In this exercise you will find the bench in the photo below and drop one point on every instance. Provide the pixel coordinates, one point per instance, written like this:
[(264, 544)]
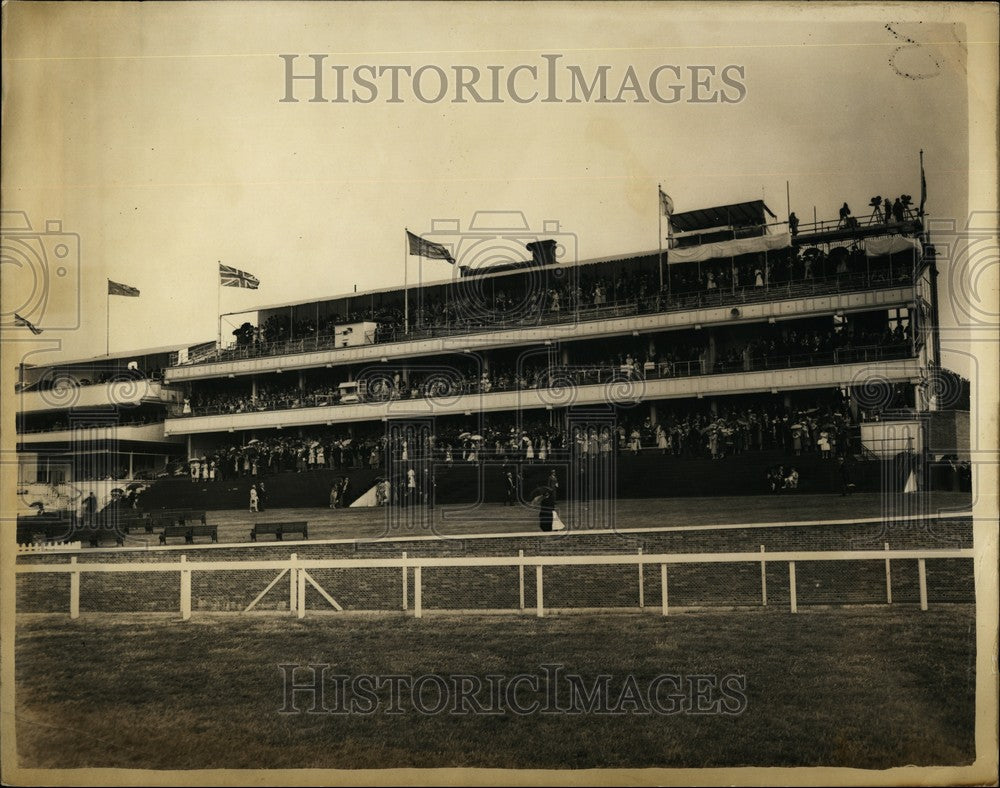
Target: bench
[(96, 535), (189, 532), (49, 529), (280, 529), (188, 516), (141, 523)]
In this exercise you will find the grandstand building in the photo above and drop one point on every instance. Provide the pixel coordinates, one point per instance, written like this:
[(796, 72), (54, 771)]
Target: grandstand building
[(94, 424), (744, 344)]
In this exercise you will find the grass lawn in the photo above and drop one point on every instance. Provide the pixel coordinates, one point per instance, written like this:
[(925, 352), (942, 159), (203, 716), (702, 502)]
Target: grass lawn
[(867, 687)]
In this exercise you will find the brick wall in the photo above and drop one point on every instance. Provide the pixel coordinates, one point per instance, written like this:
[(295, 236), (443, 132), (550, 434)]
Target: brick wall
[(497, 587)]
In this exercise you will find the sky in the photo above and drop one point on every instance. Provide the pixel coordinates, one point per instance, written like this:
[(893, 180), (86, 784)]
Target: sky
[(156, 134)]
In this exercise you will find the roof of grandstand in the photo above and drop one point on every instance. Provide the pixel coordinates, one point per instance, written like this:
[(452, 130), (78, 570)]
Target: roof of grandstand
[(736, 215), (506, 271)]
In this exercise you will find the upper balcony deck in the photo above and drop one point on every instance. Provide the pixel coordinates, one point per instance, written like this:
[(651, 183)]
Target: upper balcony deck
[(65, 393), (768, 300)]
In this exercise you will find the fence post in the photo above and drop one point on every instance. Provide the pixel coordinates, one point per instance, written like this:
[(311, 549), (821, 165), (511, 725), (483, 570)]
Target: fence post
[(663, 588), (520, 578), (539, 592), (763, 578), (406, 590), (74, 592), (922, 569), (293, 584), (300, 591), (418, 593), (888, 579), (185, 591), (642, 590), (791, 587)]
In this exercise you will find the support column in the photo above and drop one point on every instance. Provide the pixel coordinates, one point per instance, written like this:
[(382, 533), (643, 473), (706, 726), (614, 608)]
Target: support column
[(539, 592), (185, 591), (792, 592), (74, 592)]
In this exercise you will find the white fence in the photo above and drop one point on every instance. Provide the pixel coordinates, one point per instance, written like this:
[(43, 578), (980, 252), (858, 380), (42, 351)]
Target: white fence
[(298, 569)]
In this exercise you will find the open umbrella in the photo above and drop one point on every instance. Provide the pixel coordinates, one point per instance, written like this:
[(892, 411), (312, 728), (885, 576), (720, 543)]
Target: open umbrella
[(253, 441), (476, 437), (462, 435)]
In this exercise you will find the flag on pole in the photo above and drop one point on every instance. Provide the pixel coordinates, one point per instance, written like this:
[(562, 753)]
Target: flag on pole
[(666, 204), (233, 277), (424, 248), (20, 321), (923, 185), (116, 288)]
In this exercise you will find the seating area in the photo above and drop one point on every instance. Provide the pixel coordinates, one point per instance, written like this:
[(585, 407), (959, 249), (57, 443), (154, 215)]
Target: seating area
[(189, 533), (279, 530)]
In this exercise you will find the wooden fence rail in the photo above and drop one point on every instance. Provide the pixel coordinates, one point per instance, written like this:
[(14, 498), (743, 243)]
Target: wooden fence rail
[(299, 577)]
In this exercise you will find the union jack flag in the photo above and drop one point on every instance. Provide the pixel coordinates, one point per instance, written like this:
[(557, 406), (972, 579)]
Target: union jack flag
[(21, 321), (118, 289), (233, 277)]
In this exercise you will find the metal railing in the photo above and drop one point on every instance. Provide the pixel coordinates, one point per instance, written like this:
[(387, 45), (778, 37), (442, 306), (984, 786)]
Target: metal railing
[(654, 303), (583, 375)]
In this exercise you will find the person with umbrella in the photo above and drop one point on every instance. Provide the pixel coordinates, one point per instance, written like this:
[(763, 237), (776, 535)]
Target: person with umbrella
[(544, 498)]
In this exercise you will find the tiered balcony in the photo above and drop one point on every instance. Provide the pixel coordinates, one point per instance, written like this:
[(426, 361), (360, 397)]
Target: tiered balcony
[(588, 386), (847, 293), (128, 392)]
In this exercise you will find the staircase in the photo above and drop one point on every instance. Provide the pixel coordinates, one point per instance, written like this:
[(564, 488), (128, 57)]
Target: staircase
[(648, 474), (283, 491)]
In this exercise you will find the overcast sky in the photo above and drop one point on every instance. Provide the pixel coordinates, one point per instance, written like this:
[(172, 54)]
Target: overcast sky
[(156, 133)]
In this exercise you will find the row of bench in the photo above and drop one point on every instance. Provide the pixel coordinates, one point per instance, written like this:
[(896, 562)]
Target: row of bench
[(186, 525)]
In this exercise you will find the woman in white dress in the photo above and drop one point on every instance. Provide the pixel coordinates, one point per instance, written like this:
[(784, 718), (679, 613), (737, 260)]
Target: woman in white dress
[(529, 449), (661, 439), (253, 498), (543, 450)]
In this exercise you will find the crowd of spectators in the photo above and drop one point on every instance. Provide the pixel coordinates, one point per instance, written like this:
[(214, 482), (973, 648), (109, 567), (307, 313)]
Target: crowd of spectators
[(784, 348), (687, 433), (588, 289)]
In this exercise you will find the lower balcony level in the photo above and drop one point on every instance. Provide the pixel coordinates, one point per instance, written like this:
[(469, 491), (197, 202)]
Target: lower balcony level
[(563, 393)]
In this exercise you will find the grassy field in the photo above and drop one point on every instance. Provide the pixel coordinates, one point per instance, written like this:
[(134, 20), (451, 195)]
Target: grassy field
[(861, 687)]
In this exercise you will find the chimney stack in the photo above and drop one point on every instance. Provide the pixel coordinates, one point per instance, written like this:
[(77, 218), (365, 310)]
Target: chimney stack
[(543, 252)]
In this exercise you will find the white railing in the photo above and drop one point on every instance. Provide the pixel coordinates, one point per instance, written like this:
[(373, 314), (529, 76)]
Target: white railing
[(298, 571), (48, 547)]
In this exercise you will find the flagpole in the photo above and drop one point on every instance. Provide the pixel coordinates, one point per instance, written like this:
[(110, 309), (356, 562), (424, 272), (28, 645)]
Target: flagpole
[(107, 320), (659, 232), (406, 290), (218, 303)]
